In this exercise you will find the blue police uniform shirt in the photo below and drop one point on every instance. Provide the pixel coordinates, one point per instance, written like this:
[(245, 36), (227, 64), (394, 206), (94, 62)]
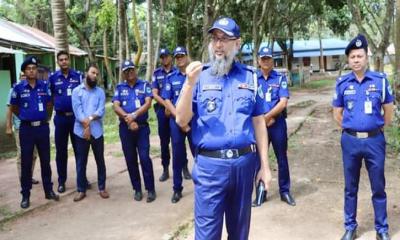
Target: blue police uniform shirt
[(32, 102), (15, 120), (273, 88), (159, 78), (132, 98), (61, 88), (86, 102), (223, 108), (362, 102), (173, 86)]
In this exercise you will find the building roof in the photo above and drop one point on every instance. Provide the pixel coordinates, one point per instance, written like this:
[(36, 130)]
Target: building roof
[(332, 46), (17, 35)]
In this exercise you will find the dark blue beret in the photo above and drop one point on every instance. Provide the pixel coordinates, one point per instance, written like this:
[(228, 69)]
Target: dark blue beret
[(359, 42), (29, 60)]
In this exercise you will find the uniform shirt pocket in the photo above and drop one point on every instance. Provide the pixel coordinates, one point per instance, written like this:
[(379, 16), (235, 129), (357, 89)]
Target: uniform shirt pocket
[(210, 103), (244, 101)]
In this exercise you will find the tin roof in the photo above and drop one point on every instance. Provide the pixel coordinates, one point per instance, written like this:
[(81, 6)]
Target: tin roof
[(14, 34)]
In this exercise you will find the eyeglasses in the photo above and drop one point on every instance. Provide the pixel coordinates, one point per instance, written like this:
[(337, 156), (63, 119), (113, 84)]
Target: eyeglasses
[(223, 39)]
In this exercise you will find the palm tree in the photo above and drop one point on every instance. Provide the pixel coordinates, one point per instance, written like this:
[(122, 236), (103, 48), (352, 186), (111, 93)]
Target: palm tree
[(59, 24)]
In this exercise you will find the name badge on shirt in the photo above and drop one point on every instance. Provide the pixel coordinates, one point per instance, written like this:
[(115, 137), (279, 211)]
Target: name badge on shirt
[(368, 107), (137, 103), (41, 108), (268, 95), (69, 91)]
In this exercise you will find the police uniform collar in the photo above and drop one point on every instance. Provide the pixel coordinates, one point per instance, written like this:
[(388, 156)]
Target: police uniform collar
[(272, 73)]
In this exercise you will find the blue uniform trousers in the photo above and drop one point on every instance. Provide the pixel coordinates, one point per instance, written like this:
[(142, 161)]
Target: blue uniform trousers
[(277, 135), (372, 150), (64, 128), (30, 137), (164, 133), (82, 151), (223, 186), (134, 143), (179, 154)]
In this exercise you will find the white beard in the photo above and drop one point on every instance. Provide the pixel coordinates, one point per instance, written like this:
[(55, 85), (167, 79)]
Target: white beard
[(221, 66)]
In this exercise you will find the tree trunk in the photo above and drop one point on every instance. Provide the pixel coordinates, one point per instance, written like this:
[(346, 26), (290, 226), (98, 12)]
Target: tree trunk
[(397, 56), (207, 20), (84, 41), (160, 31), (106, 61), (128, 55), (58, 14), (321, 48), (137, 35), (258, 27), (150, 50), (121, 38), (188, 23)]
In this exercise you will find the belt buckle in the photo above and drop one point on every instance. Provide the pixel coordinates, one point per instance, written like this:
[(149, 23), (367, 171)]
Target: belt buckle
[(362, 134), (35, 124), (69, 114), (231, 153)]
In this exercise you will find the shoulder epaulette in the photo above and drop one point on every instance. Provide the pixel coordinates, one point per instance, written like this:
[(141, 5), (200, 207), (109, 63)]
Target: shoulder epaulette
[(377, 74)]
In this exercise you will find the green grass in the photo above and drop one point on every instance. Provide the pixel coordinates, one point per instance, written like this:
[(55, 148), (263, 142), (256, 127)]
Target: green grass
[(315, 84), (111, 122), (392, 134)]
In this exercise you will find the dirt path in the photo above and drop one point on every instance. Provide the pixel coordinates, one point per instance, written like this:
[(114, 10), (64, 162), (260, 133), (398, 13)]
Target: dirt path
[(317, 184)]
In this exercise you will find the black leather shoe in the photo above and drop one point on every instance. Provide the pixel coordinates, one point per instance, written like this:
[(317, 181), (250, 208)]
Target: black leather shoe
[(176, 197), (186, 174), (138, 196), (25, 202), (164, 176), (382, 236), (34, 181), (349, 235), (52, 196), (151, 196), (287, 198), (61, 188)]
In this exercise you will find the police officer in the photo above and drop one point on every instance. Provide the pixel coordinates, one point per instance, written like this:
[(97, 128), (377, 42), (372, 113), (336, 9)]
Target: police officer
[(31, 102), (12, 125), (225, 112), (359, 98), (160, 75), (62, 83), (88, 104), (131, 101), (274, 89), (171, 93)]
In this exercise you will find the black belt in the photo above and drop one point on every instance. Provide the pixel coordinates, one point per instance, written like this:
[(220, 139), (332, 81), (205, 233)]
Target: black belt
[(34, 123), (363, 134), (227, 153), (67, 114), (140, 124)]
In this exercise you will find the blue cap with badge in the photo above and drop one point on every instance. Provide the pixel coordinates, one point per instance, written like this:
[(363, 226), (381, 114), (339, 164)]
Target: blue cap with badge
[(29, 60), (265, 52), (164, 52), (180, 51), (359, 42), (226, 25), (127, 65)]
